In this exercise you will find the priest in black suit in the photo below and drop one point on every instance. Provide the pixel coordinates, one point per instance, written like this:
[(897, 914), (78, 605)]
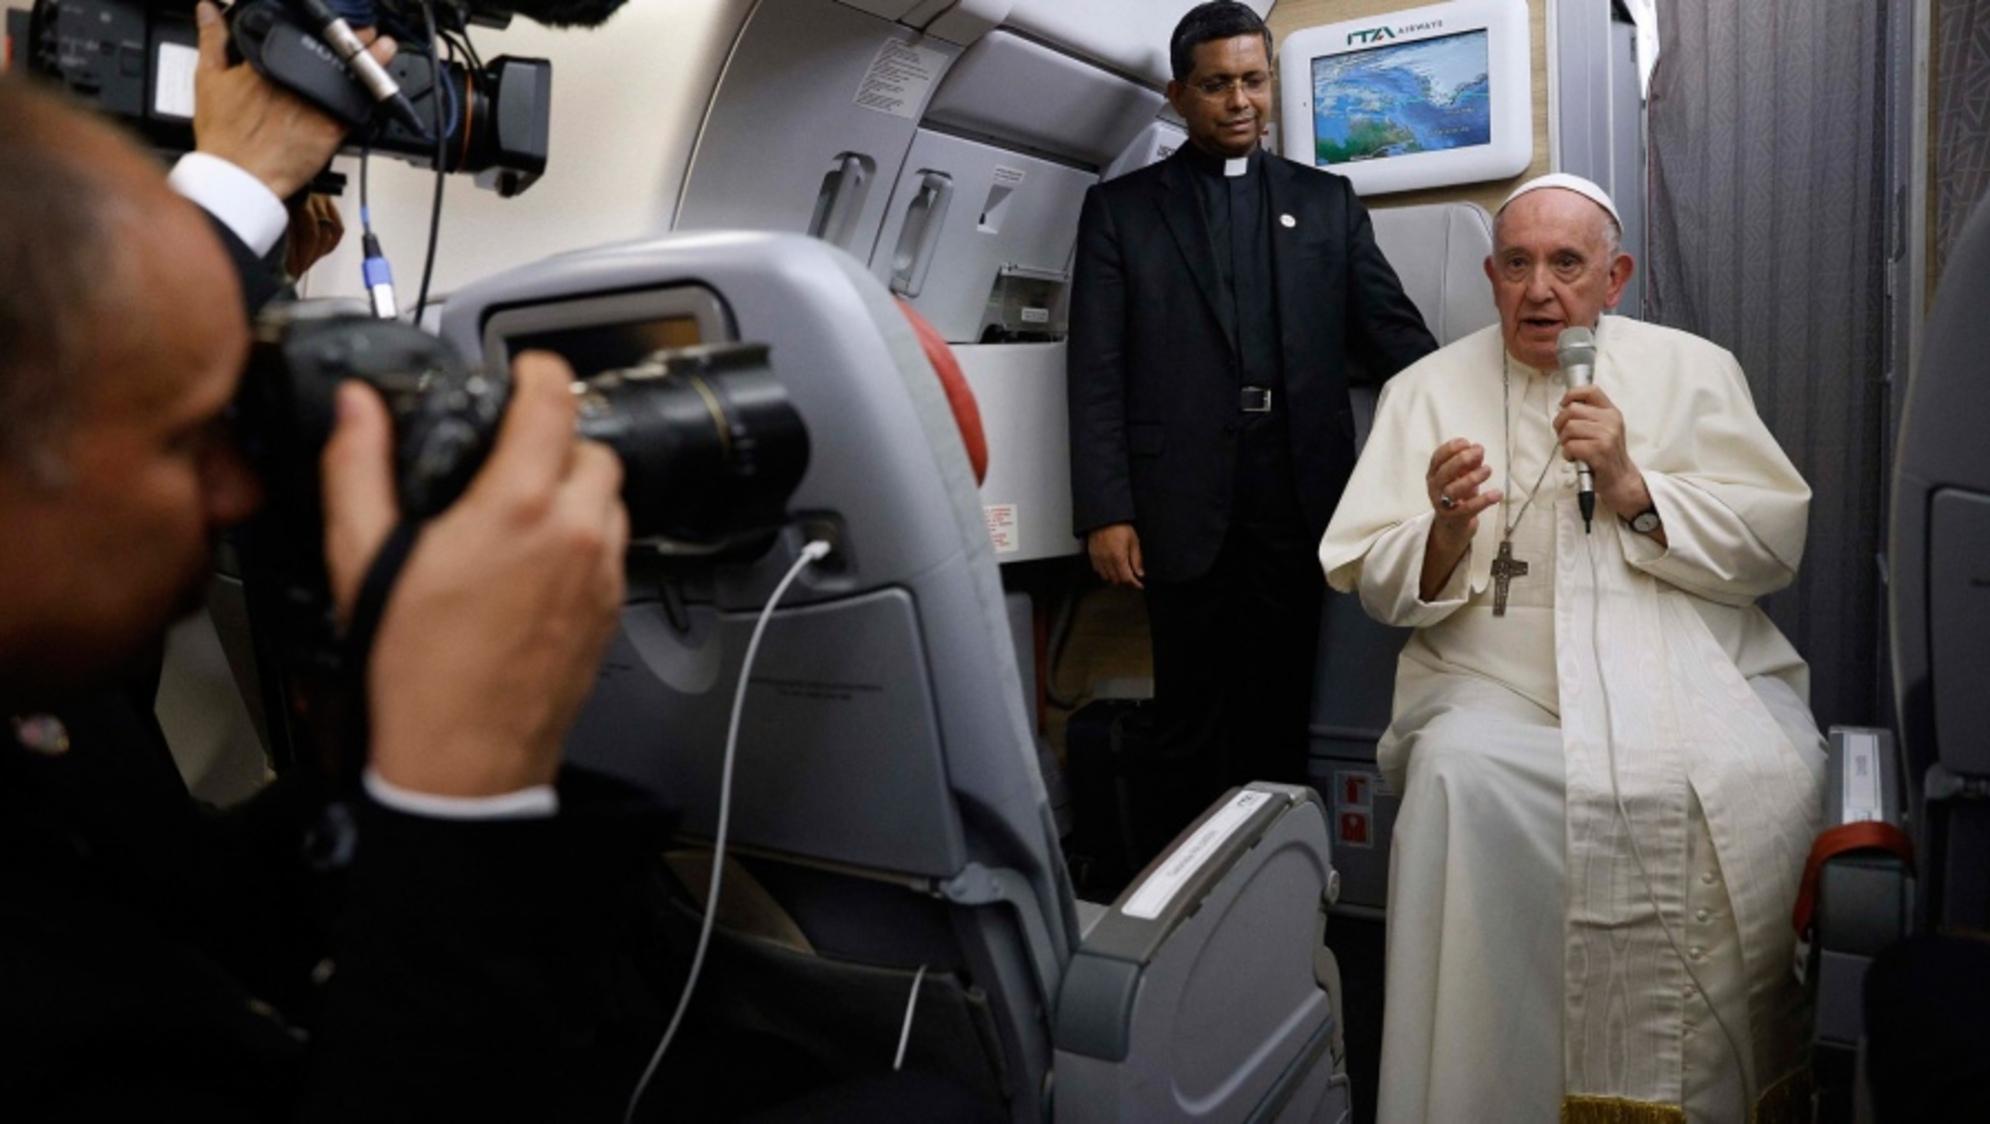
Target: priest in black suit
[(1223, 302)]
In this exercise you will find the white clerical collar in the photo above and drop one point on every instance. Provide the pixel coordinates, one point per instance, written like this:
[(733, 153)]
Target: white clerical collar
[(1236, 166)]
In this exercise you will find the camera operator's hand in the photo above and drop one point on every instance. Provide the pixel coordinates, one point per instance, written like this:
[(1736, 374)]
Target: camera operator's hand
[(245, 119), (315, 230), (492, 634)]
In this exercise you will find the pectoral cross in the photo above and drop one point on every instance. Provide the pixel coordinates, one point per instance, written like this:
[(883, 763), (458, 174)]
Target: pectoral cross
[(1505, 568)]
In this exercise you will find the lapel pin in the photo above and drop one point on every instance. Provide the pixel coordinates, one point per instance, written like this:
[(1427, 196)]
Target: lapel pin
[(42, 733), (1287, 221)]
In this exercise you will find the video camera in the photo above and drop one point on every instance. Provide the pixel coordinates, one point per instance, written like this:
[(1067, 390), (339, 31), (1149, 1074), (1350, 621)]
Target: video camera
[(135, 60)]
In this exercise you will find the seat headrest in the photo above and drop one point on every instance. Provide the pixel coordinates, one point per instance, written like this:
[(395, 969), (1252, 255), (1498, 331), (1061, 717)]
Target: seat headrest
[(1438, 251), (960, 396)]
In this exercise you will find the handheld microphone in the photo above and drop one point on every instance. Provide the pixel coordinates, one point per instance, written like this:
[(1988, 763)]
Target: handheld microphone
[(1575, 350)]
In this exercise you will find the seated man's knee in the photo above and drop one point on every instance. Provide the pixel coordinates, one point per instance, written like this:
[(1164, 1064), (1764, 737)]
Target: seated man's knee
[(1450, 751)]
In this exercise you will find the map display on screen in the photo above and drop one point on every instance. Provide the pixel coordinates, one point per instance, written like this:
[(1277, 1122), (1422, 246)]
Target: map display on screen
[(1425, 96)]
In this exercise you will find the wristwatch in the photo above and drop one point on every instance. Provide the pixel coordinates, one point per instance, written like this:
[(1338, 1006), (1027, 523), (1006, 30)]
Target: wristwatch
[(1646, 521)]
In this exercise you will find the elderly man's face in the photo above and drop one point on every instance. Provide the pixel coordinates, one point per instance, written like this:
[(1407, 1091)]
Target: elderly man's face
[(1552, 268), (115, 545), (1226, 98)]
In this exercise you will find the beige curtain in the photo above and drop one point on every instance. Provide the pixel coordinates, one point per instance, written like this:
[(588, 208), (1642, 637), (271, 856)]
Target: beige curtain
[(1767, 237)]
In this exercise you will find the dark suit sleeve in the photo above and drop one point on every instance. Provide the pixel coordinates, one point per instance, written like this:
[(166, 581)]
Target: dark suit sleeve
[(471, 960), (260, 280), (1095, 373), (1386, 330)]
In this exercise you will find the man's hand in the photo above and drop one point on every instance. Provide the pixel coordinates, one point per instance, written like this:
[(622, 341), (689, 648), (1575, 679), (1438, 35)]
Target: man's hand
[(493, 632), (1591, 430), (315, 230), (243, 118), (1452, 481), (1115, 551)]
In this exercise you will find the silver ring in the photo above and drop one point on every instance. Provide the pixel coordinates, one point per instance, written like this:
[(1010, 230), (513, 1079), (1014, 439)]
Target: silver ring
[(1445, 501)]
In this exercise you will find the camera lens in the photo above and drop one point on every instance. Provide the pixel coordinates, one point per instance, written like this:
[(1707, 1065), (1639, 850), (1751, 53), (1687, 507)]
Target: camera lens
[(710, 446)]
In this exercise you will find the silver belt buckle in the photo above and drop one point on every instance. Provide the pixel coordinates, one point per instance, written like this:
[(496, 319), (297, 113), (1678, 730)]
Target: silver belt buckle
[(1256, 400)]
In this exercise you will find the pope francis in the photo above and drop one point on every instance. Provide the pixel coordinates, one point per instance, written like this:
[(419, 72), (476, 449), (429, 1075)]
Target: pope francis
[(1609, 772)]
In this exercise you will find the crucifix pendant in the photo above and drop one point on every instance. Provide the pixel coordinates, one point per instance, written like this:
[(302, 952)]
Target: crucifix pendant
[(1505, 568)]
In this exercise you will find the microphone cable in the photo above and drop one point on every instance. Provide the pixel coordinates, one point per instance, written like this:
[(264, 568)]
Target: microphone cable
[(441, 172), (1630, 831)]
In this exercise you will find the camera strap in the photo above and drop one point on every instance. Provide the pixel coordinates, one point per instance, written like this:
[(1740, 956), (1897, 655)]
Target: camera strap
[(331, 842), (368, 607)]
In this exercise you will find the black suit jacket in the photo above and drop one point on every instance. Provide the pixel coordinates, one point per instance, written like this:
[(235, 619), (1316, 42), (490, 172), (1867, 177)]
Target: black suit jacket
[(1153, 369), (163, 961), (261, 278)]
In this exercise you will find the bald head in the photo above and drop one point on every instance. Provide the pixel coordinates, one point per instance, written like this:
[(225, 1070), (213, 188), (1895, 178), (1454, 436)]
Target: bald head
[(122, 339), (99, 250)]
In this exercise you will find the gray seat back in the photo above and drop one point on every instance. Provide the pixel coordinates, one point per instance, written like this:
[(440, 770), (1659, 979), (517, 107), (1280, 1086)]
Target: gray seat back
[(884, 738), (1438, 251), (1940, 598)]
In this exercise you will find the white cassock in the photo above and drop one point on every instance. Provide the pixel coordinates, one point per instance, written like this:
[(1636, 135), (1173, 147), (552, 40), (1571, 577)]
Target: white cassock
[(1529, 973)]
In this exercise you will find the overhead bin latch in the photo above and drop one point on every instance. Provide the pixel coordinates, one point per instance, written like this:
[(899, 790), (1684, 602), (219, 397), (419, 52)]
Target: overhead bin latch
[(919, 238), (840, 202)]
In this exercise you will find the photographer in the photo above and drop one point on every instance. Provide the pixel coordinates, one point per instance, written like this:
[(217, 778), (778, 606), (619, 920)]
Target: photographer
[(444, 961)]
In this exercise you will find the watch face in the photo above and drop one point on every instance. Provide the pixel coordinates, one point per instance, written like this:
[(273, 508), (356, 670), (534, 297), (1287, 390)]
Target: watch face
[(1645, 523)]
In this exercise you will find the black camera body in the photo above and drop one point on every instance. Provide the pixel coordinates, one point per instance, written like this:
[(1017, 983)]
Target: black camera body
[(133, 59), (710, 445)]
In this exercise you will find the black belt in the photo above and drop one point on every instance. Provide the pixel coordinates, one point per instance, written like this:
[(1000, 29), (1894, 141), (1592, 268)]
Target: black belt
[(1255, 400)]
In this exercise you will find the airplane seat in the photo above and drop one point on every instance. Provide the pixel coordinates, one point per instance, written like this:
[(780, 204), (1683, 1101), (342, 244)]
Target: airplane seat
[(960, 396), (1438, 252), (1924, 866), (891, 845)]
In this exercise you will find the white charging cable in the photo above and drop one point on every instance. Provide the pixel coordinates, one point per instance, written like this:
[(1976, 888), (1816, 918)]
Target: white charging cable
[(812, 553), (905, 1032), (1630, 831)]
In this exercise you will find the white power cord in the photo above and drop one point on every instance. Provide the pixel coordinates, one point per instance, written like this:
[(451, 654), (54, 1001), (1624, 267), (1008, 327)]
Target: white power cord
[(1630, 831), (812, 553), (905, 1032)]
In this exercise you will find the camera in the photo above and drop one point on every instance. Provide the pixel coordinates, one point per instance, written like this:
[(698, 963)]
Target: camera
[(710, 445), (134, 59)]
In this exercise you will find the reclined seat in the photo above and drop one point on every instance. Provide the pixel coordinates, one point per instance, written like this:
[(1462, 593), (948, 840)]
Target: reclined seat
[(1906, 849), (891, 847)]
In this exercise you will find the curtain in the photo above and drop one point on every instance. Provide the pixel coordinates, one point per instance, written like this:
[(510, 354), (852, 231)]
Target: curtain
[(1766, 164), (1961, 127)]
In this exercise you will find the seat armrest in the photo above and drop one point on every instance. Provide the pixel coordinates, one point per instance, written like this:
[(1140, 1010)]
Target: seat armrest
[(1861, 900), (1863, 777), (1199, 994)]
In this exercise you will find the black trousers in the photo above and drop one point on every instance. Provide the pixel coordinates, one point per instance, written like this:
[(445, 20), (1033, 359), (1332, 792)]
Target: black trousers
[(1234, 648)]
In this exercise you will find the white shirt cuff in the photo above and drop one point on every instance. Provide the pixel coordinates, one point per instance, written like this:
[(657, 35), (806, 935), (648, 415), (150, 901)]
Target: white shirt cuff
[(242, 203), (536, 802)]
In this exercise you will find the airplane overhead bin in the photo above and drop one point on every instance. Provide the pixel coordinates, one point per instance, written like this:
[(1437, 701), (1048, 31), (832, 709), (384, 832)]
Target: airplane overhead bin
[(950, 147), (811, 122)]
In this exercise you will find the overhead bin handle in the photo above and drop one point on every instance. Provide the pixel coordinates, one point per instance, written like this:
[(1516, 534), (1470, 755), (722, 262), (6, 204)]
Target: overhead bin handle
[(919, 238), (841, 198)]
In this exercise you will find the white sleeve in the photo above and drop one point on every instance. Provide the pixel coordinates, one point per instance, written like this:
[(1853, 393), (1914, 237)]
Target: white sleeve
[(536, 802), (238, 200), (1710, 550), (1392, 578)]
